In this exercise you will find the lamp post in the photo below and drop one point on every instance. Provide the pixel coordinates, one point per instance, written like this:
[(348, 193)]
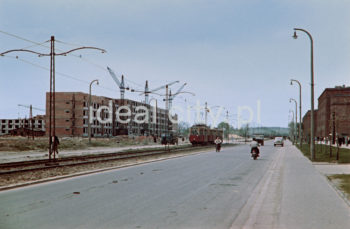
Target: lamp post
[(291, 111), (312, 131), (296, 116), (291, 83), (89, 121)]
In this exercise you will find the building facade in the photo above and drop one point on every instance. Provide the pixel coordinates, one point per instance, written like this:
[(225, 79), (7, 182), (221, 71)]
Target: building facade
[(22, 126), (119, 117), (306, 133), (333, 115)]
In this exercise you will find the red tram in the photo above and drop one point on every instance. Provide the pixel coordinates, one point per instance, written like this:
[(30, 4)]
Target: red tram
[(201, 134)]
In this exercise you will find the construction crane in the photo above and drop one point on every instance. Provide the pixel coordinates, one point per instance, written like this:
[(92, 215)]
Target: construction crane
[(120, 84), (31, 115), (147, 91), (172, 96)]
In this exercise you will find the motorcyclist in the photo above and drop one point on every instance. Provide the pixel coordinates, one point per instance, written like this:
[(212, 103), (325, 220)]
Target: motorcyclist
[(218, 144), (254, 145)]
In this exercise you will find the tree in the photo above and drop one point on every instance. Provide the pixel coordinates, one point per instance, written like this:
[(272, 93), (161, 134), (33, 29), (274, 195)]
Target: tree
[(224, 126), (184, 128)]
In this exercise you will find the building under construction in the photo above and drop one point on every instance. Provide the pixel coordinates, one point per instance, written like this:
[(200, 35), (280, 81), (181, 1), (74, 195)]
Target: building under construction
[(23, 127), (72, 115)]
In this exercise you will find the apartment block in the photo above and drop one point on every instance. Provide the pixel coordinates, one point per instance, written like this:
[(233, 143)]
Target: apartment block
[(72, 115), (22, 126)]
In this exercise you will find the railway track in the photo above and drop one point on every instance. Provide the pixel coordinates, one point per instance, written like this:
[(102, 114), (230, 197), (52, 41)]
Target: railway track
[(44, 164)]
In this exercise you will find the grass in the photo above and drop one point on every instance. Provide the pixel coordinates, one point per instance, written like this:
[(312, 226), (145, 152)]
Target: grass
[(19, 144), (342, 181), (323, 154)]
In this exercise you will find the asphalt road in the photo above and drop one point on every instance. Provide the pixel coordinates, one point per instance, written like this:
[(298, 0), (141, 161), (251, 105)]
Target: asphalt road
[(208, 190)]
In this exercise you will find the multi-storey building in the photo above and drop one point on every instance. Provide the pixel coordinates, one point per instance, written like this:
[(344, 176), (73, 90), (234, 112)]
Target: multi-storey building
[(72, 115), (22, 126), (307, 124), (333, 115)]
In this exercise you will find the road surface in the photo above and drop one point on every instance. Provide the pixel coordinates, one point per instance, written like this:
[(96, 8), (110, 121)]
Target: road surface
[(209, 190)]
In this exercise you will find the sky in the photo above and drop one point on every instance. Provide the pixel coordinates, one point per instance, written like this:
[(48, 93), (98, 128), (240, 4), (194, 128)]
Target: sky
[(235, 54)]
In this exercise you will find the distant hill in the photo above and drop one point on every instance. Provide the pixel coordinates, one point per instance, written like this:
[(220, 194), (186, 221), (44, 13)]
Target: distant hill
[(269, 131)]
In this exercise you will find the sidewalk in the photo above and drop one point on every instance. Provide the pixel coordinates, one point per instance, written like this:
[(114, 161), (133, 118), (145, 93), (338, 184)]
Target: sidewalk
[(309, 201), (293, 194)]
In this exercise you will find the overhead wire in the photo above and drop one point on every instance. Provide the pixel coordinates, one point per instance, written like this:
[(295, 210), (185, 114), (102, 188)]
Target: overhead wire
[(71, 54), (58, 73)]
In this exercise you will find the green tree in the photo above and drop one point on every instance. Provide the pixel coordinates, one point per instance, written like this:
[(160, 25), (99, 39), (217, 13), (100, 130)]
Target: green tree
[(184, 128)]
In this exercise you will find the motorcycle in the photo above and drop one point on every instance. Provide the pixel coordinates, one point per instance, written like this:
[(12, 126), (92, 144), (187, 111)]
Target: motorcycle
[(255, 153), (218, 147)]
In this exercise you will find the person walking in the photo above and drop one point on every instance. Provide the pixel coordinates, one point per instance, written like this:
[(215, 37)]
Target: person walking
[(56, 142)]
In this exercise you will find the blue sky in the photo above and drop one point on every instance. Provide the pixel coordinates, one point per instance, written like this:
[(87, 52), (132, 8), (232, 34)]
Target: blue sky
[(230, 53)]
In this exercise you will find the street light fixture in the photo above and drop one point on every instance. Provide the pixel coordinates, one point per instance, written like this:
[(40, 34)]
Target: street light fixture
[(89, 121), (300, 136), (312, 131)]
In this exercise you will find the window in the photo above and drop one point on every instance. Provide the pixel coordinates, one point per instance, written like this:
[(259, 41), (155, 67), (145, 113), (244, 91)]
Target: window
[(67, 102), (67, 129), (67, 120), (67, 111)]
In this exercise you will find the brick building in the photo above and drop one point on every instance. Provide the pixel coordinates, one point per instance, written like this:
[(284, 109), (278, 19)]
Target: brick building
[(72, 116), (307, 124), (333, 103), (10, 126)]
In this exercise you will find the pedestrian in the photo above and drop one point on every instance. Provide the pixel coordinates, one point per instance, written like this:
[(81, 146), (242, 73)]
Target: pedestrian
[(56, 142)]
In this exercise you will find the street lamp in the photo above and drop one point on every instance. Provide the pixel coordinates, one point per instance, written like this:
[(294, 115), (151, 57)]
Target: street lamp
[(312, 147), (89, 121), (296, 115), (291, 83), (291, 111)]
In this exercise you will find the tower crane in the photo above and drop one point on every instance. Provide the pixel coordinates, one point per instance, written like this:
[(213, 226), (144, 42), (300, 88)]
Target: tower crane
[(147, 91), (172, 96), (120, 84)]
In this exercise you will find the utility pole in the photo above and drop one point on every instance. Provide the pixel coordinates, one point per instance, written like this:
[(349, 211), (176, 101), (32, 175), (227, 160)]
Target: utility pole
[(52, 106), (228, 128)]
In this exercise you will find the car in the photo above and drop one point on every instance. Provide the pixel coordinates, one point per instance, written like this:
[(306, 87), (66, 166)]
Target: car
[(278, 141)]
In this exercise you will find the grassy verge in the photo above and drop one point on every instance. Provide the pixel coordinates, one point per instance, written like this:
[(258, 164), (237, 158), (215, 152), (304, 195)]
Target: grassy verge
[(19, 144), (342, 181), (322, 153)]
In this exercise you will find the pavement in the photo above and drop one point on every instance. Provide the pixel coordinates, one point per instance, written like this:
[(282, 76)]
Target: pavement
[(329, 169), (282, 189)]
